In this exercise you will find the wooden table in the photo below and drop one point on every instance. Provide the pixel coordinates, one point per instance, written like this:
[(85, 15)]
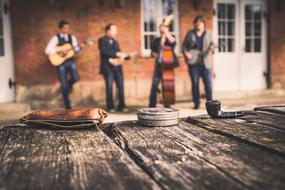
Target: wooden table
[(199, 153)]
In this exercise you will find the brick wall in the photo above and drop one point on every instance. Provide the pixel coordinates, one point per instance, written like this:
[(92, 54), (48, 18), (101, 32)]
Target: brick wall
[(35, 21), (277, 43)]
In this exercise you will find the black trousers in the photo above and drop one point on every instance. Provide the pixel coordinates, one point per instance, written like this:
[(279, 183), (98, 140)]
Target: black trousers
[(109, 77), (68, 67), (195, 73), (157, 77)]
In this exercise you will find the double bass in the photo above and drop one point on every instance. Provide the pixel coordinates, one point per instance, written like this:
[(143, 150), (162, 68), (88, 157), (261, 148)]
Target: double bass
[(168, 90)]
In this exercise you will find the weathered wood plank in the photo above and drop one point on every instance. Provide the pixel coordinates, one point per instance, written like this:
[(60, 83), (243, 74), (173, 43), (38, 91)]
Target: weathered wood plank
[(26, 154), (3, 139), (259, 135), (268, 119), (273, 109), (171, 163), (189, 157), (255, 168), (57, 159), (101, 164)]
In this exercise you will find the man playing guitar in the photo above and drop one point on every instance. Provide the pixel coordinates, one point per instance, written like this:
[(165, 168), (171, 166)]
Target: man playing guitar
[(198, 49), (109, 51), (68, 66)]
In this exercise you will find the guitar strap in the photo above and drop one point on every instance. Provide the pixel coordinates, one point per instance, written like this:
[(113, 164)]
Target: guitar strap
[(69, 39), (62, 41)]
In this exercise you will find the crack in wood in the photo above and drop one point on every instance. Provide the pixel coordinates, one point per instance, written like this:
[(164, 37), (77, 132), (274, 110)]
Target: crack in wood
[(263, 123), (216, 166), (272, 120), (209, 128), (119, 139), (273, 109), (114, 134), (211, 163)]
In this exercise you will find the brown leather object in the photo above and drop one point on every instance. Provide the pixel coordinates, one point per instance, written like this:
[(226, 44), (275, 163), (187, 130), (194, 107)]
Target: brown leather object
[(73, 118)]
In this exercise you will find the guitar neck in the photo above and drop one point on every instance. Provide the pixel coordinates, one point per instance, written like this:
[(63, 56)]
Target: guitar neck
[(87, 42), (78, 46), (208, 49)]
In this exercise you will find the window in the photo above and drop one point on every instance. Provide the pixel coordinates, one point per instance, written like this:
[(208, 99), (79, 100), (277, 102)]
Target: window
[(253, 28), (153, 12), (226, 27)]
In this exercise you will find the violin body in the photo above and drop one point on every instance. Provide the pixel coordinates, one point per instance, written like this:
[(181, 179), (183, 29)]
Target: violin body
[(168, 90)]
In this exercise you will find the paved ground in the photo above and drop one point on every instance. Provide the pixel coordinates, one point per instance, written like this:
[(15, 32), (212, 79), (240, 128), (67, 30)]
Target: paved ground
[(11, 112)]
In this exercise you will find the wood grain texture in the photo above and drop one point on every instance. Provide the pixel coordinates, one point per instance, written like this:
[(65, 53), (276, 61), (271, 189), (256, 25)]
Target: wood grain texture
[(244, 163), (267, 118), (272, 109), (169, 162), (53, 159), (188, 156), (199, 153), (260, 135)]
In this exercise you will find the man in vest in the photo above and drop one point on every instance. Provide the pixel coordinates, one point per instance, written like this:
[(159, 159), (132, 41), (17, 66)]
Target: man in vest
[(69, 66)]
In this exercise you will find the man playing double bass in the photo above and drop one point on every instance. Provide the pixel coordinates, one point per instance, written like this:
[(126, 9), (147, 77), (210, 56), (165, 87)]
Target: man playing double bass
[(165, 40)]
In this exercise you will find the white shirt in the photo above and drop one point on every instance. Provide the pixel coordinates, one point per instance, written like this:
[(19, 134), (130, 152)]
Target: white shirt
[(51, 47)]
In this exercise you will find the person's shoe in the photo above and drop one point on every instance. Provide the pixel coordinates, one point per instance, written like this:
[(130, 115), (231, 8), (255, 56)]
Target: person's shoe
[(111, 111), (68, 107), (167, 105), (125, 110), (196, 106)]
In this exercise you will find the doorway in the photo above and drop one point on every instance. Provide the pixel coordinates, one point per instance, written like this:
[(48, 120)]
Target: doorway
[(7, 78), (240, 30)]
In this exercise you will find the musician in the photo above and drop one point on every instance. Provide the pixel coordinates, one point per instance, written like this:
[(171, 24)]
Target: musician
[(201, 39), (165, 39), (109, 48), (69, 66)]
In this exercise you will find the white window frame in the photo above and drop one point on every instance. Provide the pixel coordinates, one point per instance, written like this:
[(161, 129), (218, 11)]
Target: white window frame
[(160, 17)]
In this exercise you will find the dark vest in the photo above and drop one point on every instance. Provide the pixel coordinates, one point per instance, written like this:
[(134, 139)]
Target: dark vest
[(62, 41)]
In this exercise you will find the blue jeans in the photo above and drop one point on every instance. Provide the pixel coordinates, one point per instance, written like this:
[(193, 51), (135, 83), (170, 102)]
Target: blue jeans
[(67, 68), (157, 77), (110, 76), (195, 72)]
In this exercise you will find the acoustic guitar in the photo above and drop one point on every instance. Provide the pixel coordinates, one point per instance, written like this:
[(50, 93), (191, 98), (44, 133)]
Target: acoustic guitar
[(121, 60), (59, 58)]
